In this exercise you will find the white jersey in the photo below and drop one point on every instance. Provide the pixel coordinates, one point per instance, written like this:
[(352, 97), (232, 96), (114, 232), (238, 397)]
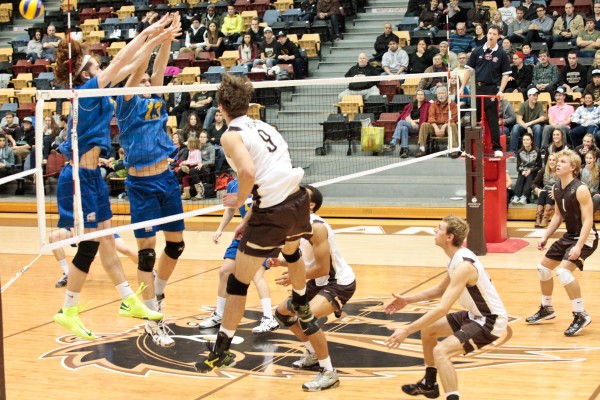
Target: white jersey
[(339, 270), (276, 179), (481, 300)]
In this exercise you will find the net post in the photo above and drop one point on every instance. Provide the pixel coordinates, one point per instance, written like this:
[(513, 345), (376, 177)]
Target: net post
[(39, 176), (2, 375), (475, 190)]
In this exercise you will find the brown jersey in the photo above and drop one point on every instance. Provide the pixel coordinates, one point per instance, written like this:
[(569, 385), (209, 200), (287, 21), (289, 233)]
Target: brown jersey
[(568, 206)]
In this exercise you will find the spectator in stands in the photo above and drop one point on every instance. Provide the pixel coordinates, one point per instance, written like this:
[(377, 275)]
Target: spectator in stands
[(437, 123), (106, 163), (148, 19), (50, 43), (25, 142), (201, 102), (382, 42), (34, 47), (178, 103), (540, 29), (559, 143), (559, 117), (530, 58), (507, 47), (542, 187), (456, 15), (214, 39), (180, 155), (329, 10), (587, 145), (211, 16), (545, 75), (449, 58), (460, 41), (7, 157), (430, 19), (497, 20), (509, 118), (191, 128), (460, 68), (594, 86), (596, 15), (590, 175), (248, 52), (587, 118), (63, 132), (530, 118), (518, 28), (573, 76), (232, 27), (414, 8), (530, 10), (257, 31), (421, 59), (479, 38), (194, 37), (478, 16), (395, 61), (308, 9), (361, 69), (51, 130), (430, 85), (508, 12), (589, 39), (463, 102), (568, 26), (267, 49), (216, 130), (529, 162), (286, 52), (11, 129), (595, 65), (413, 114)]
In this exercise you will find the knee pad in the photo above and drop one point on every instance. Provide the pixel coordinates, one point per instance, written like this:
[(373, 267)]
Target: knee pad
[(236, 287), (86, 252), (564, 276), (292, 258), (174, 249), (146, 260), (285, 320), (544, 273)]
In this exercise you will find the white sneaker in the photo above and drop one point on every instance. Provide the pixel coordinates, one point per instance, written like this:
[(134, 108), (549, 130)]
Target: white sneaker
[(307, 361), (210, 322), (323, 380), (498, 153), (523, 200), (266, 325), (160, 333), (514, 200)]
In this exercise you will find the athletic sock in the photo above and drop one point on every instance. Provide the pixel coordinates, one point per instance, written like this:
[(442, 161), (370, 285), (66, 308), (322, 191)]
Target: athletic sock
[(299, 296), (64, 265), (309, 347), (71, 299), (326, 364), (159, 285), (546, 301), (266, 306), (124, 290), (151, 304), (220, 305), (578, 305)]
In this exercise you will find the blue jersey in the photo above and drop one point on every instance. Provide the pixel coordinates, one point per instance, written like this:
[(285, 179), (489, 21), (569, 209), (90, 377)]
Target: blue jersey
[(232, 187), (142, 126), (93, 124)]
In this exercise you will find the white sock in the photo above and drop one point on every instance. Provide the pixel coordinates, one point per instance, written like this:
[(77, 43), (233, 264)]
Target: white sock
[(301, 292), (220, 305), (152, 304), (124, 290), (546, 300), (422, 148), (228, 332), (159, 285), (578, 305), (326, 364), (64, 265), (309, 347), (266, 306), (71, 299), (448, 394)]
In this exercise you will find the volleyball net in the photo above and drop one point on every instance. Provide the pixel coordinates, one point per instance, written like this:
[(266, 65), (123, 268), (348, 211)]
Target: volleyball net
[(334, 135)]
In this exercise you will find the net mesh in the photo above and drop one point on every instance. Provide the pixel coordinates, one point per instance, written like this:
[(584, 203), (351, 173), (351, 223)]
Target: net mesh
[(334, 135)]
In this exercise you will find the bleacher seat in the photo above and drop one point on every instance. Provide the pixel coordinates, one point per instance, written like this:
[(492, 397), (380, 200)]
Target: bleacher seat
[(408, 23), (22, 67), (44, 81), (238, 70), (8, 107), (271, 16), (40, 65), (388, 122), (25, 110), (291, 15), (214, 73), (376, 105), (398, 102)]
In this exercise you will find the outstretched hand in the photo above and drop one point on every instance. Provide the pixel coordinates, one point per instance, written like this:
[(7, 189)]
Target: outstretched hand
[(397, 338), (397, 304)]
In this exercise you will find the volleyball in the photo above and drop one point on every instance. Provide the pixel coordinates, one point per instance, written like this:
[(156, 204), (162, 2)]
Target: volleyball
[(31, 9)]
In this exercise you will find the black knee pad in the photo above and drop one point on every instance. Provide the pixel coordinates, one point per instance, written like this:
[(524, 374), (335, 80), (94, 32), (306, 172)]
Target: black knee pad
[(174, 249), (292, 258), (310, 327), (285, 320), (146, 260), (86, 251), (236, 287)]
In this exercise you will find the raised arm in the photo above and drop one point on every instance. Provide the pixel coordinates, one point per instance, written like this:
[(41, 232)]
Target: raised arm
[(162, 58)]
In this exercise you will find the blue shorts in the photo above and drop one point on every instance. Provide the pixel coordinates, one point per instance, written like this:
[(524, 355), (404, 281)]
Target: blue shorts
[(231, 252), (152, 197), (94, 197)]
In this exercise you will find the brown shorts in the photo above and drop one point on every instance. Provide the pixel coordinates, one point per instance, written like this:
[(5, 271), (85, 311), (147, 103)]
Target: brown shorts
[(269, 228), (337, 295), (560, 251), (472, 335)]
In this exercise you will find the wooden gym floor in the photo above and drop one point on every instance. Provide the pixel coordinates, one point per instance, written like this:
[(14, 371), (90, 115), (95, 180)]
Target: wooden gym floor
[(45, 361)]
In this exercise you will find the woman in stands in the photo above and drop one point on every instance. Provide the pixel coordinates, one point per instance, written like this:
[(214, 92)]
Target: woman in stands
[(93, 131), (542, 187), (412, 116), (479, 38), (590, 175), (248, 51), (34, 47), (214, 39), (421, 59), (529, 162), (192, 127)]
